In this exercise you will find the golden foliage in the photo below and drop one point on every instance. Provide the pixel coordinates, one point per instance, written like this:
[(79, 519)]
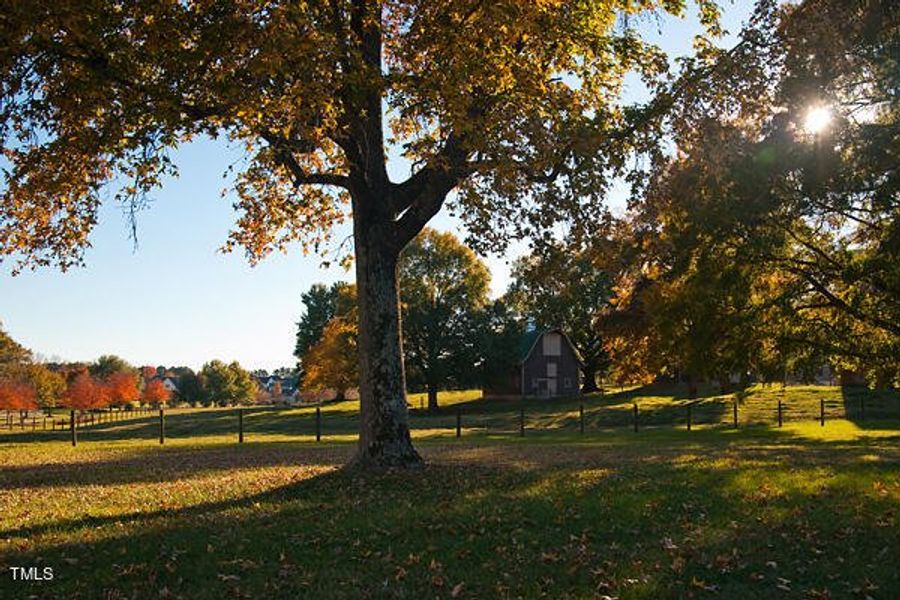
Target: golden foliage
[(332, 362)]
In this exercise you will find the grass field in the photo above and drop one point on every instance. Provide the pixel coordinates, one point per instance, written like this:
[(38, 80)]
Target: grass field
[(802, 511)]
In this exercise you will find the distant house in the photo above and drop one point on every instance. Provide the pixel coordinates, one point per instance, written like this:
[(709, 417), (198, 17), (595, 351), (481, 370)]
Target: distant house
[(278, 386), (168, 382), (548, 366)]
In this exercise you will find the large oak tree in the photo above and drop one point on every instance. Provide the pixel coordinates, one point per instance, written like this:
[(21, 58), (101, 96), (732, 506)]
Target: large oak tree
[(512, 103)]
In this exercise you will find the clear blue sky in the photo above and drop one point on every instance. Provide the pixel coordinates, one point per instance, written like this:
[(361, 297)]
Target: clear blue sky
[(176, 300)]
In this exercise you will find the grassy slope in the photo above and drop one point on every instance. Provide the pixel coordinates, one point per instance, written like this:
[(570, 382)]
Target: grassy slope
[(802, 511)]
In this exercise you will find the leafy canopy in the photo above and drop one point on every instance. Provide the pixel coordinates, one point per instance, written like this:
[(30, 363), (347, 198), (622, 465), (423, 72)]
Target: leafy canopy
[(331, 364), (762, 245), (227, 383), (12, 353), (444, 286), (320, 304), (516, 102)]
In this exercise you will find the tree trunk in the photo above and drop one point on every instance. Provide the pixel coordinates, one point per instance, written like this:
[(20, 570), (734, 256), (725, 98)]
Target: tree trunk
[(692, 387), (432, 397), (725, 383), (384, 439), (590, 380)]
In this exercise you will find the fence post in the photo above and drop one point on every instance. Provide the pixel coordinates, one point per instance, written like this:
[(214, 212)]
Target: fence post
[(33, 423), (822, 412), (318, 424), (581, 418), (240, 426), (522, 420), (72, 427), (735, 413), (780, 421), (635, 417), (458, 423), (689, 406), (162, 426)]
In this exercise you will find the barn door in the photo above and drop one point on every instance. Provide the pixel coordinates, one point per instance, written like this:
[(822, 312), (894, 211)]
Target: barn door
[(551, 379)]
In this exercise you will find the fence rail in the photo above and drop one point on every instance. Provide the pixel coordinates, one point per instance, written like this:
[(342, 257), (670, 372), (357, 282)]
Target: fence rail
[(514, 418)]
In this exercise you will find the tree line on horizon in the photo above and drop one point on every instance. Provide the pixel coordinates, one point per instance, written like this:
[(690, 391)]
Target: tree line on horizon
[(110, 381)]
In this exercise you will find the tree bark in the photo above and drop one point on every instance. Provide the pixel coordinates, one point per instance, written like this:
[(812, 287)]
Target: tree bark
[(692, 387), (590, 380), (432, 397), (384, 438)]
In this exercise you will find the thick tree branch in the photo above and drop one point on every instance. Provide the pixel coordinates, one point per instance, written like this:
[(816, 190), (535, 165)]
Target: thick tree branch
[(285, 158), (840, 304), (421, 196)]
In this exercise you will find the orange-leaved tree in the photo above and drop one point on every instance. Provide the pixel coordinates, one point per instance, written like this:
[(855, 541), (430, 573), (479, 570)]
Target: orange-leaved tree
[(85, 392), (122, 388), (330, 364), (155, 392), (17, 395), (513, 104)]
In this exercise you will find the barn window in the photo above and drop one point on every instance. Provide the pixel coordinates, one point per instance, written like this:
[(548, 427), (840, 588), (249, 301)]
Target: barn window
[(552, 344), (551, 369)]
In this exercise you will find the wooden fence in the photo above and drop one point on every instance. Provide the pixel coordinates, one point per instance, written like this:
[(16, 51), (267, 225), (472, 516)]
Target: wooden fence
[(531, 416)]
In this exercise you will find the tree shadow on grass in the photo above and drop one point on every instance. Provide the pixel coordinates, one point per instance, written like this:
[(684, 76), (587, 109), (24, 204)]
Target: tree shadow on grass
[(203, 423), (866, 407), (502, 522), (132, 465)]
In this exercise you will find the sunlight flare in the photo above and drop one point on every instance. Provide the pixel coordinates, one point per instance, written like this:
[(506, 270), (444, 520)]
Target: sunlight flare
[(817, 119)]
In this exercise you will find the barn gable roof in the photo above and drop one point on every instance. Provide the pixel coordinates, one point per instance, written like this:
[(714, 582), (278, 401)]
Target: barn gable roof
[(530, 340)]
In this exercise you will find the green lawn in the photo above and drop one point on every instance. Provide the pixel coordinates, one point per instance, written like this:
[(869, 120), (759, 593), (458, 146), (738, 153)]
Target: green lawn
[(802, 511)]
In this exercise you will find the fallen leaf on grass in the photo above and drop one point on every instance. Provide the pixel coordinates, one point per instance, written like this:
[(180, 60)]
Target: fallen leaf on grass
[(702, 585)]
